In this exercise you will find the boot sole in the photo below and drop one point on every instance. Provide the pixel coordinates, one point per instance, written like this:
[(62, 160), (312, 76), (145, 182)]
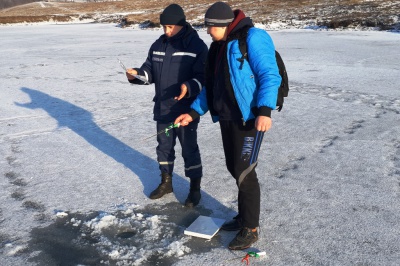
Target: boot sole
[(241, 248), (152, 197)]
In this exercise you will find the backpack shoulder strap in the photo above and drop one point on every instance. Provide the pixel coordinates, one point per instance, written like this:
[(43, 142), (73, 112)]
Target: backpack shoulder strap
[(242, 40), (243, 45)]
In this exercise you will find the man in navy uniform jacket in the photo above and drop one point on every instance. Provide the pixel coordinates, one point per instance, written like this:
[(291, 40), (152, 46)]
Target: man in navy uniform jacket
[(175, 64)]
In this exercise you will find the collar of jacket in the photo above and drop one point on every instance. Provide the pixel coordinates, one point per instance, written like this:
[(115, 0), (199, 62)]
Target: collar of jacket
[(183, 35)]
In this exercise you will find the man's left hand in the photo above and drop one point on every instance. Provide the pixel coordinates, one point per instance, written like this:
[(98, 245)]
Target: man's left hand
[(263, 123)]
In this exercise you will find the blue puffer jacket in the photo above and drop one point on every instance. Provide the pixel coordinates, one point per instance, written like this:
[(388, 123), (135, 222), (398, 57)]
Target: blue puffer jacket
[(170, 63), (255, 83)]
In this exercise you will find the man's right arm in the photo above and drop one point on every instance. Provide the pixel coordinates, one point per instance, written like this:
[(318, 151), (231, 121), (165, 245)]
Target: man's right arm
[(183, 120), (145, 71), (199, 108)]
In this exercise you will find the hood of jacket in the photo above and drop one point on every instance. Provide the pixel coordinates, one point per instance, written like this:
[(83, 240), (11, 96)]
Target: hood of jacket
[(238, 24)]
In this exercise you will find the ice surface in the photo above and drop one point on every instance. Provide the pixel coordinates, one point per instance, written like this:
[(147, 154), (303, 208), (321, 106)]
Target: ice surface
[(77, 175)]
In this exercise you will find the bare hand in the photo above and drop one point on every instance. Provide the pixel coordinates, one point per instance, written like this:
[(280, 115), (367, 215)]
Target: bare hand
[(130, 72), (184, 120), (263, 123), (183, 92)]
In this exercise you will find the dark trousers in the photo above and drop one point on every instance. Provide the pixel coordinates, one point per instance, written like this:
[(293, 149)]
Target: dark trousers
[(187, 137), (241, 146)]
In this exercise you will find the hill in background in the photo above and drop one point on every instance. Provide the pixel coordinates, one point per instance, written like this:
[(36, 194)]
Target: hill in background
[(379, 15)]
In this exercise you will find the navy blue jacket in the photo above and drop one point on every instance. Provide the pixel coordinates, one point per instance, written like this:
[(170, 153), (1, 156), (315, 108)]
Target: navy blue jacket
[(170, 63)]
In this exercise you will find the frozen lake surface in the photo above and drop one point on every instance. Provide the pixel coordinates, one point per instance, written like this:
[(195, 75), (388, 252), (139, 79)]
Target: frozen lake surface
[(76, 173)]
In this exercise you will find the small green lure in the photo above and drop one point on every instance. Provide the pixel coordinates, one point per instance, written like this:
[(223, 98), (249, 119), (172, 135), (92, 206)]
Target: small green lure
[(165, 130)]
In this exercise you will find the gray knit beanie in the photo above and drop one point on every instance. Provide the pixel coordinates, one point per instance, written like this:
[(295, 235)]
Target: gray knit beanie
[(219, 14)]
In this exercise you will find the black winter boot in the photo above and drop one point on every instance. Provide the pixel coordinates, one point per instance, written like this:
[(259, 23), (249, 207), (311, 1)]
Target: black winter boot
[(244, 239), (194, 194), (164, 187)]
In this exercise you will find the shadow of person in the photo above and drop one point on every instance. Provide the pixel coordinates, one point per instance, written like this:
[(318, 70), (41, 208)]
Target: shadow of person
[(81, 122)]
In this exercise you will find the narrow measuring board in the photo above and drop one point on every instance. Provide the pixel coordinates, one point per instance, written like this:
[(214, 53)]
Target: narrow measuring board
[(204, 227)]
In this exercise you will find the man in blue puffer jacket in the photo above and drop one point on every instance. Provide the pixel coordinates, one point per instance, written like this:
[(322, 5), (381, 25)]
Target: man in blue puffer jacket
[(240, 94), (175, 64)]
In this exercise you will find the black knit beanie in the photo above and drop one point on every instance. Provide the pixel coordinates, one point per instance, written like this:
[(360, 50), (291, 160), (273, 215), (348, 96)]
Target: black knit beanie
[(219, 14), (173, 15)]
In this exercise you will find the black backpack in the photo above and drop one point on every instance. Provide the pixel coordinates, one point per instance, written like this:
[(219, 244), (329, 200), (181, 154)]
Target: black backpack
[(283, 90)]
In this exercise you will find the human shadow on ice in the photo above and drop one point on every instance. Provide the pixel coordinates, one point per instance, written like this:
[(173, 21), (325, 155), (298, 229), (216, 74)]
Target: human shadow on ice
[(81, 122)]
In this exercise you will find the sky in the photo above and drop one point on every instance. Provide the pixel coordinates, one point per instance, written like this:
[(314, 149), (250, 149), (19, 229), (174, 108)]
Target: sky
[(76, 172)]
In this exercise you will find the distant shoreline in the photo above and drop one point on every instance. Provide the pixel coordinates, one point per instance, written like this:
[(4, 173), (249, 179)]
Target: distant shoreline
[(269, 27)]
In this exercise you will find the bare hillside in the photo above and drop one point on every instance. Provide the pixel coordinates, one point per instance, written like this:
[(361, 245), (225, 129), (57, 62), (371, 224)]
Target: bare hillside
[(380, 14)]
